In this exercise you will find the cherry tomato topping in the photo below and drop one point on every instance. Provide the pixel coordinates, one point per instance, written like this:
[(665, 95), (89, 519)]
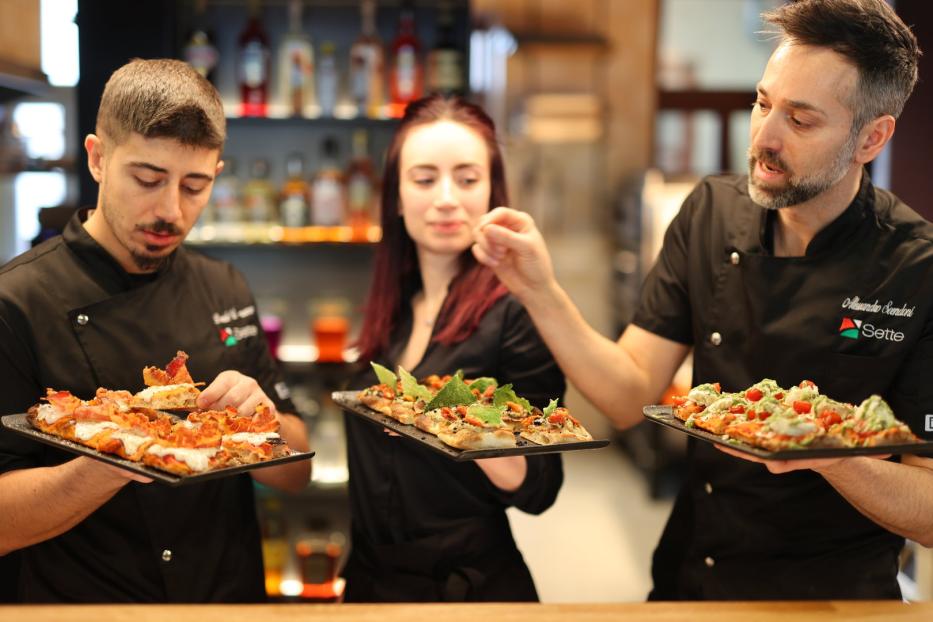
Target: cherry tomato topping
[(802, 407), (753, 395)]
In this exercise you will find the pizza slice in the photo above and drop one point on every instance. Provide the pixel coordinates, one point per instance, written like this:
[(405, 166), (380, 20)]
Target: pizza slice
[(380, 397), (130, 441), (873, 424), (718, 415), (440, 419), (251, 439), (515, 409), (555, 425), (169, 389), (480, 428), (187, 450), (696, 400), (56, 415), (93, 422)]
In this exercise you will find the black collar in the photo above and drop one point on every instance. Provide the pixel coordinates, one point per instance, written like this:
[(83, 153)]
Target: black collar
[(836, 233), (101, 264)]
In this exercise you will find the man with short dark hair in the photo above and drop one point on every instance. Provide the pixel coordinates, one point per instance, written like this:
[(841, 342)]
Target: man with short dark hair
[(756, 274), (114, 293)]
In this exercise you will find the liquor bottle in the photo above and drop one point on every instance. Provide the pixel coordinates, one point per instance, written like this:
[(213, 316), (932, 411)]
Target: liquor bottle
[(201, 54), (328, 80), (406, 80), (295, 203), (328, 200), (275, 550), (226, 198), (296, 66), (361, 187), (366, 66), (199, 51), (259, 194), (445, 60), (254, 66)]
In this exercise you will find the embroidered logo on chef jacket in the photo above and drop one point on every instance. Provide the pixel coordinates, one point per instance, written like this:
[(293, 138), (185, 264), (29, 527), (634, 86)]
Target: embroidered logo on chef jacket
[(231, 335), (851, 328)]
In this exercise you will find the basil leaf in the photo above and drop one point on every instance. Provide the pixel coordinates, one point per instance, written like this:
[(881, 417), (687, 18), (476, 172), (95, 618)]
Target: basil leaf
[(454, 393), (384, 375), (505, 393), (411, 387), (481, 384), (490, 415)]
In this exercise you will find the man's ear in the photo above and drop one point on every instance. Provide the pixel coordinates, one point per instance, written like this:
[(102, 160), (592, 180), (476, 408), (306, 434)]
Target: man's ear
[(220, 168), (873, 137), (95, 156)]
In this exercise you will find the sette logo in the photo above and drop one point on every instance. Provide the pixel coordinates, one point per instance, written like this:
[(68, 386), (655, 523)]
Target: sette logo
[(928, 424)]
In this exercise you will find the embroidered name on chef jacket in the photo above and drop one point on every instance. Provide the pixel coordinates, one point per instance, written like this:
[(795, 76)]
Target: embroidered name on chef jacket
[(855, 328)]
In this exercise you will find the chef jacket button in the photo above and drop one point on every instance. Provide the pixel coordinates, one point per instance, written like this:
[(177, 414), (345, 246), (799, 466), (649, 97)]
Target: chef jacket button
[(715, 339), (708, 488), (82, 319), (710, 562), (167, 555), (734, 258)]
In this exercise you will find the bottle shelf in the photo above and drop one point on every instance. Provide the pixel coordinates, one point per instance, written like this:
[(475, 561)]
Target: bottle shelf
[(312, 122), (249, 234)]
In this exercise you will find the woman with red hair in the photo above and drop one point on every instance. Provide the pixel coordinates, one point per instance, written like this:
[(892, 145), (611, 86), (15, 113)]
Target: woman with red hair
[(426, 528)]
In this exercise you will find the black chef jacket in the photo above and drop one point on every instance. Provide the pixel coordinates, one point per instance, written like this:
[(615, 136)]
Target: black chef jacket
[(738, 531), (426, 528), (71, 318)]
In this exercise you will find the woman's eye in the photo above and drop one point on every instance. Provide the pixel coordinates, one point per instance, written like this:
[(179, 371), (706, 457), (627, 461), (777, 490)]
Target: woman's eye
[(424, 181), (192, 190)]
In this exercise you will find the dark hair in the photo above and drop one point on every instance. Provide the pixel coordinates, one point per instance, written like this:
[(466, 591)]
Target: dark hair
[(396, 274), (871, 36), (162, 98)]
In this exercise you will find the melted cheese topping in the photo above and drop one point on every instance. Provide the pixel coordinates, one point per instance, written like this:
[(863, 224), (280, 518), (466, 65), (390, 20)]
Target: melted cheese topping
[(150, 392), (197, 459), (131, 442), (49, 414), (253, 438), (86, 431)]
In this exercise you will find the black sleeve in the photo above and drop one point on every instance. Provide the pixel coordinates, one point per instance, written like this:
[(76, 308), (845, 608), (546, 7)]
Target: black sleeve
[(260, 365), (665, 301), (911, 397), (526, 362), (19, 386)]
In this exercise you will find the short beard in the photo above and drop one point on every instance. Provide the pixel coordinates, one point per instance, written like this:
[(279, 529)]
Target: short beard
[(145, 263), (806, 187)]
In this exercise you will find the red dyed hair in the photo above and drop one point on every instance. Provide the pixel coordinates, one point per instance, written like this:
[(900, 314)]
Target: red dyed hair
[(396, 274)]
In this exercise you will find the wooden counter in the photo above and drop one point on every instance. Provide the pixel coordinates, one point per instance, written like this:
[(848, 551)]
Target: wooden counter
[(822, 611)]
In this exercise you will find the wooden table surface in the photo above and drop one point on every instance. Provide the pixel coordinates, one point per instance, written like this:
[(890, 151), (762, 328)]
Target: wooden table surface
[(822, 611)]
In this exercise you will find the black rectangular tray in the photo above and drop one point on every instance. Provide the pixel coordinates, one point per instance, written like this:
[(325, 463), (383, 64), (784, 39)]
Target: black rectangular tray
[(348, 401), (664, 415), (19, 425)]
